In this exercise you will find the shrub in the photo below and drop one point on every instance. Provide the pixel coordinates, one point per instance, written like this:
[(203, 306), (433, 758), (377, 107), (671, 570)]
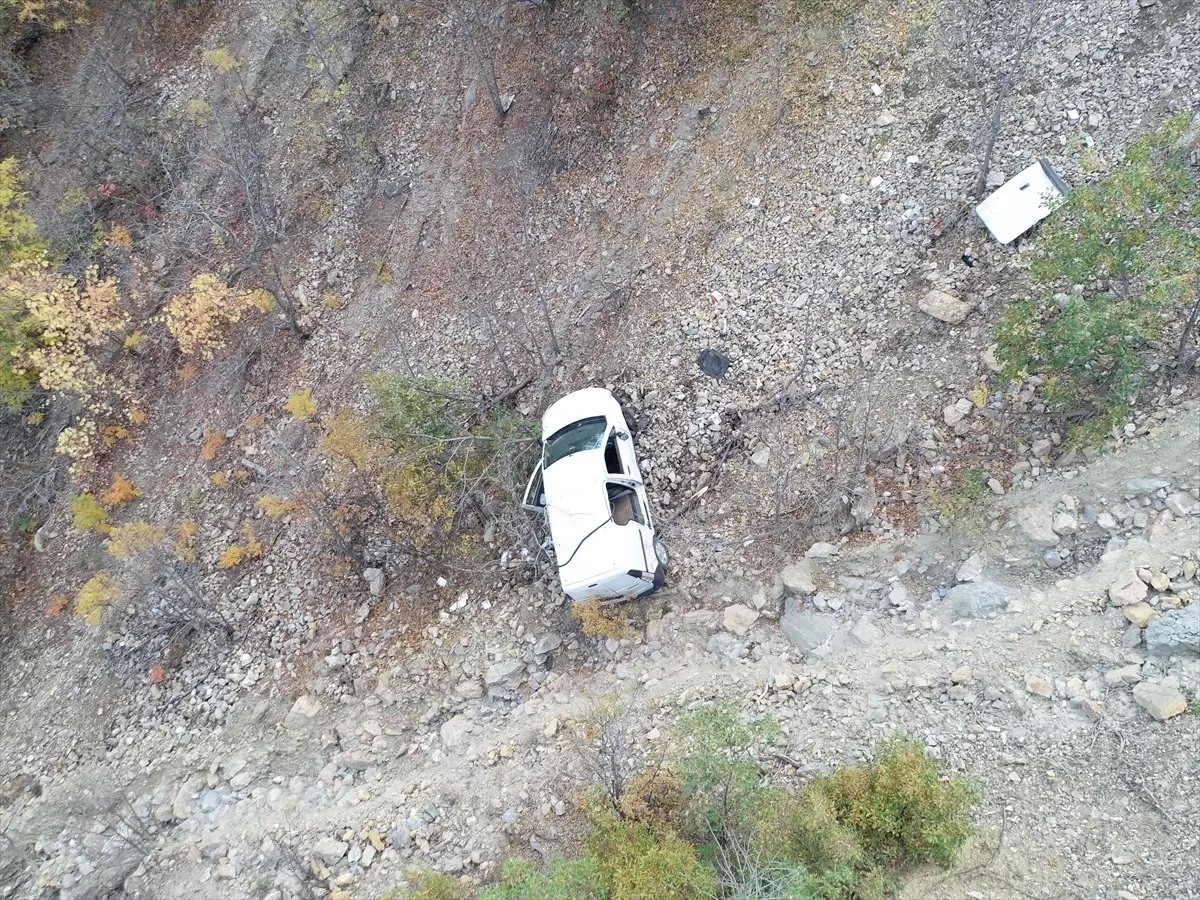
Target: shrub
[(88, 514), (122, 491), (637, 861), (891, 815), (95, 595), (301, 405), (654, 797), (722, 782), (563, 879), (430, 886), (600, 621), (1126, 251)]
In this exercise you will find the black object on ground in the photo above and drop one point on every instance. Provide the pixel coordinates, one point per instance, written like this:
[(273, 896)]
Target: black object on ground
[(713, 364)]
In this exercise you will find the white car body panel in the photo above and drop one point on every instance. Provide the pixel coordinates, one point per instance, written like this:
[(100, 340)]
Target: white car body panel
[(585, 504)]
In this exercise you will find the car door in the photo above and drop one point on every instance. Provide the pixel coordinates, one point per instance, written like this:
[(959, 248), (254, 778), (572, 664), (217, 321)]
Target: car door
[(628, 457), (535, 493)]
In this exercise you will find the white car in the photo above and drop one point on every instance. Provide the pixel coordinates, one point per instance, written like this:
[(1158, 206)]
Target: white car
[(590, 489)]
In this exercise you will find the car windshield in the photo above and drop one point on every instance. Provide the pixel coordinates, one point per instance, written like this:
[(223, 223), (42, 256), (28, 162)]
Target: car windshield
[(586, 434)]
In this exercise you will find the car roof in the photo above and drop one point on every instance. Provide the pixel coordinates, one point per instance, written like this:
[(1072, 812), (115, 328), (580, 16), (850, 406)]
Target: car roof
[(582, 404)]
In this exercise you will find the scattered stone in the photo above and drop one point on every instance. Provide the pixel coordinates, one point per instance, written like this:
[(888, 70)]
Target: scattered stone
[(952, 415), (547, 644), (1040, 685), (885, 119), (1140, 614), (1130, 674), (798, 579), (1065, 524), (995, 486), (329, 850), (375, 580), (971, 569), (504, 676), (821, 550), (944, 306), (961, 675), (1052, 558), (865, 632), (1182, 504), (468, 689), (739, 619), (456, 732), (976, 600), (1160, 698), (303, 711), (761, 457), (1127, 590), (1036, 521), (1143, 486), (1174, 631)]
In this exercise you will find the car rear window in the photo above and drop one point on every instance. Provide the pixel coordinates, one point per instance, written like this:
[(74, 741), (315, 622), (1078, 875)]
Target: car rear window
[(586, 434)]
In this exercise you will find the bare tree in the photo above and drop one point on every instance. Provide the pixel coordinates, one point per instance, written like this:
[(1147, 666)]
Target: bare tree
[(989, 43), (478, 25)]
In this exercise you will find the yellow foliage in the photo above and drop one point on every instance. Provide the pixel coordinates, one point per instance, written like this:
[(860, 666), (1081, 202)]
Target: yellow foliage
[(137, 416), (348, 437), (276, 507), (250, 548), (89, 515), (119, 236), (35, 418), (980, 395), (599, 621), (111, 434), (188, 371), (199, 112), (95, 594), (221, 60), (19, 239), (212, 443), (185, 541), (251, 545), (301, 404), (71, 323), (122, 491), (58, 603), (220, 479), (198, 318), (76, 440), (134, 340), (134, 538), (414, 493)]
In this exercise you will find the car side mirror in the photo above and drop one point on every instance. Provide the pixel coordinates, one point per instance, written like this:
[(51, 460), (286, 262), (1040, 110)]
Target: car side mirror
[(623, 435)]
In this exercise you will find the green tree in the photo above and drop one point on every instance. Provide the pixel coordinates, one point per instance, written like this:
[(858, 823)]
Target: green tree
[(1119, 259)]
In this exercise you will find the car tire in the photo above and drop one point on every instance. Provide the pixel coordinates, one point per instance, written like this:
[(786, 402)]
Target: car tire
[(660, 573)]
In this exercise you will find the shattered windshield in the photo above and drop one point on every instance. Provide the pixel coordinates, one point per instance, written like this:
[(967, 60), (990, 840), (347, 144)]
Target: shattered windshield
[(586, 434)]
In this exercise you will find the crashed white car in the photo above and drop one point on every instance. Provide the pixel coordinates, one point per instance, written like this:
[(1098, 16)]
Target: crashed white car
[(590, 489)]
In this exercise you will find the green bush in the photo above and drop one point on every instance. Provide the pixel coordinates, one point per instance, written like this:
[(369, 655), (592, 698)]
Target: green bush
[(636, 861), (872, 820), (723, 785), (563, 879), (1123, 254), (430, 886)]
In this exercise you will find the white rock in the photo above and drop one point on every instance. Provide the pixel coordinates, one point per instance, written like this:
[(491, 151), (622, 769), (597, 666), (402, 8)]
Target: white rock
[(1161, 699), (1127, 590), (739, 619), (944, 306)]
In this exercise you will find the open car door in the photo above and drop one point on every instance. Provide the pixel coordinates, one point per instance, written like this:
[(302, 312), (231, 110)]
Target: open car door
[(535, 494)]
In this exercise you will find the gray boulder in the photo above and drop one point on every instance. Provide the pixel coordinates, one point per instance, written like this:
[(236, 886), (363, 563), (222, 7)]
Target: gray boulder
[(976, 600), (505, 676), (1174, 631), (798, 579), (807, 631)]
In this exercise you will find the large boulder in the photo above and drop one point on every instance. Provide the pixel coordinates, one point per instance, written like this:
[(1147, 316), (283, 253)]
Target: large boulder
[(976, 600), (798, 579), (807, 631), (1174, 631), (1127, 590)]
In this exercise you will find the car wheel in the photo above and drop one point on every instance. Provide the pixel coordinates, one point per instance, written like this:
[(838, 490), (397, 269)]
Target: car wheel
[(660, 573)]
